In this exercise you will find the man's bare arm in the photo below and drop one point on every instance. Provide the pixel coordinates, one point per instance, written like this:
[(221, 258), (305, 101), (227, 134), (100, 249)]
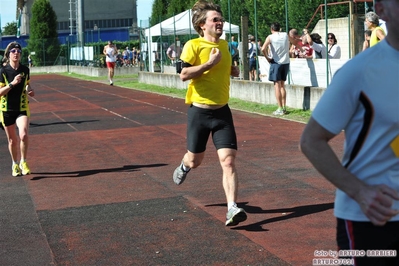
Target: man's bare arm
[(375, 201)]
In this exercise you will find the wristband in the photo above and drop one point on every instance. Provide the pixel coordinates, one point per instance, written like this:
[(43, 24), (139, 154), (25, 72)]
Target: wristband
[(10, 86)]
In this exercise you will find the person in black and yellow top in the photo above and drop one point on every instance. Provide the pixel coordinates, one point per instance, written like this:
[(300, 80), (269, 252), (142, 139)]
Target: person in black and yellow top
[(14, 106)]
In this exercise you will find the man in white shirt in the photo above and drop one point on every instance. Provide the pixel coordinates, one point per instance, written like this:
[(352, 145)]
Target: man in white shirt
[(110, 51), (276, 50)]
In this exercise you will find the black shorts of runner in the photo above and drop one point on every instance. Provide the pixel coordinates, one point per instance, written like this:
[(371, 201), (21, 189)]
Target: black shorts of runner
[(202, 122), (380, 244), (10, 117), (278, 72)]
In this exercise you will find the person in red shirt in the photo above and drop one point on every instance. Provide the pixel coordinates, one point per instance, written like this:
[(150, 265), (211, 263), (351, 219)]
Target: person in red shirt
[(307, 51)]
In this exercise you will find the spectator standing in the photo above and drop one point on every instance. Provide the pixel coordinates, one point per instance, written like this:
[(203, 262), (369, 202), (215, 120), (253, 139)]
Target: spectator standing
[(110, 51), (367, 196), (367, 36), (174, 50), (126, 55), (133, 55), (334, 50), (233, 47), (372, 23), (130, 58), (276, 50), (295, 50), (30, 64), (138, 59), (252, 58), (307, 51), (207, 64), (317, 45), (14, 92)]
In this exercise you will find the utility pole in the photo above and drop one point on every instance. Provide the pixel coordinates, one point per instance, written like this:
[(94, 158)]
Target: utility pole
[(81, 27), (244, 58)]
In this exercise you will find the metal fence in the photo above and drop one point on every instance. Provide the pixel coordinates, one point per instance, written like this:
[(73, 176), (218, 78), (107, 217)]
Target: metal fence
[(349, 30)]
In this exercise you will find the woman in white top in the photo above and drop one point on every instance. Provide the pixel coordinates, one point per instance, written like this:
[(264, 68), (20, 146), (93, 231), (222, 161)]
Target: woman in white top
[(334, 51), (317, 45)]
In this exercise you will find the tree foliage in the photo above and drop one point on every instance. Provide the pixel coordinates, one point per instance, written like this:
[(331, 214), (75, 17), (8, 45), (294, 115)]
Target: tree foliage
[(10, 29), (43, 39), (299, 13), (164, 9)]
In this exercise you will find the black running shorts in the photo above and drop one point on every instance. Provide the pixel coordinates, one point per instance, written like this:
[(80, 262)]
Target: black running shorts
[(9, 118), (202, 122), (368, 244)]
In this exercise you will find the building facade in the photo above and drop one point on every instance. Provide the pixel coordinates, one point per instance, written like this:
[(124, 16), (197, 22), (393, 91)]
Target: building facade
[(97, 14)]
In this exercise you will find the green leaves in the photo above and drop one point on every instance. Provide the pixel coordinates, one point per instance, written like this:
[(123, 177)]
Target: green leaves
[(43, 39), (10, 28)]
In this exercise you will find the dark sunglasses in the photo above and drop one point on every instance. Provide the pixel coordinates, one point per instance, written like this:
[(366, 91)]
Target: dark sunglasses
[(331, 38), (15, 51), (218, 20)]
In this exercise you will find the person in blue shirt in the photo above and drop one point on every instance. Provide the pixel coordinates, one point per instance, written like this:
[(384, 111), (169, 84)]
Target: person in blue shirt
[(233, 47)]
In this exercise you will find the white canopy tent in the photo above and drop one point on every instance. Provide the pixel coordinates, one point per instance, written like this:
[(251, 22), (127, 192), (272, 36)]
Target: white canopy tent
[(177, 25)]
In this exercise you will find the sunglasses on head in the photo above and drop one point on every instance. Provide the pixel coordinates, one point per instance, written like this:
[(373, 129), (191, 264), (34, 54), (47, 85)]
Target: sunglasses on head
[(15, 51), (218, 20)]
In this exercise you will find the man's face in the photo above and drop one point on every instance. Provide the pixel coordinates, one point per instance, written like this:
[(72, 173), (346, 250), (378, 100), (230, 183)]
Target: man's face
[(213, 24)]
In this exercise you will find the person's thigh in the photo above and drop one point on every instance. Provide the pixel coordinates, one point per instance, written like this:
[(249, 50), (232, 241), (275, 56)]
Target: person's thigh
[(23, 123), (279, 72), (223, 131), (9, 118), (111, 65), (9, 122), (283, 72), (252, 64), (273, 72), (226, 152), (198, 129)]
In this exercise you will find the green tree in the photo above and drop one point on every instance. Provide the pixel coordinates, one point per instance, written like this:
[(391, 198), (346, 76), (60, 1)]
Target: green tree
[(10, 29), (43, 39), (237, 10), (267, 11), (178, 6), (159, 9)]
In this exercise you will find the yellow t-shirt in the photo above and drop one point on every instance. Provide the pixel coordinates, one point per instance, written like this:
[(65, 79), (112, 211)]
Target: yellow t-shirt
[(212, 87), (373, 38)]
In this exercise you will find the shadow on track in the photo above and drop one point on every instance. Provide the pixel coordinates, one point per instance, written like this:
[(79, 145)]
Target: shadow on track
[(293, 212), (125, 168)]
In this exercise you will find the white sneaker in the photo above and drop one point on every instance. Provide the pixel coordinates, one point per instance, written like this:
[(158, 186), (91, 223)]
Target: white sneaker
[(278, 112), (235, 216)]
